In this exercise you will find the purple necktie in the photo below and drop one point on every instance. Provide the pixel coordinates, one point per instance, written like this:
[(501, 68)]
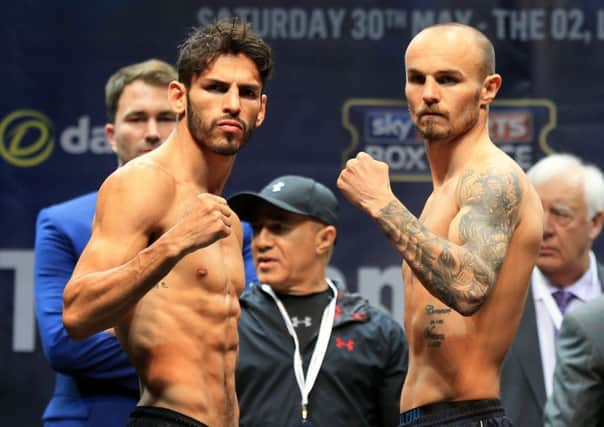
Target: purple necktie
[(563, 299)]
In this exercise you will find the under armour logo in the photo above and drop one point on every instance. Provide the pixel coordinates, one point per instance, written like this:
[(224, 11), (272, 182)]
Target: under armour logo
[(349, 344), (359, 316), (307, 321), (278, 186), (338, 311)]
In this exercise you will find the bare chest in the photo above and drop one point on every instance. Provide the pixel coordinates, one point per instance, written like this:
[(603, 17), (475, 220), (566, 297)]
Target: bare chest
[(425, 315), (439, 213), (216, 268)]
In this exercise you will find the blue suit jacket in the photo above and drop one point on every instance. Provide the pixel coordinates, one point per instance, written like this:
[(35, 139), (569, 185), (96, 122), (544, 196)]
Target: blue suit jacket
[(96, 386)]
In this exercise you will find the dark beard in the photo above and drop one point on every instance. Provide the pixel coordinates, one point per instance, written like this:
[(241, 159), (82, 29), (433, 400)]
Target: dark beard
[(202, 133), (430, 134)]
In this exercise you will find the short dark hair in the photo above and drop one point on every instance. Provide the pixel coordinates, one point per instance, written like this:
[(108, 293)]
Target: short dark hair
[(153, 72), (204, 45)]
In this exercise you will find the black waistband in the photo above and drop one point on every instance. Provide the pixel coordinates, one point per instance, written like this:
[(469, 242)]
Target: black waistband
[(102, 388), (170, 417), (440, 413)]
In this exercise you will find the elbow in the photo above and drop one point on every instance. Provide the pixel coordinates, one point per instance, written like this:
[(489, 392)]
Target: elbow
[(74, 327), (73, 320), (469, 307), (468, 302), (467, 310)]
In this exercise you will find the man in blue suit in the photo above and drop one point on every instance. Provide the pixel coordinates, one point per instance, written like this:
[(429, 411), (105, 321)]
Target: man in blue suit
[(96, 386)]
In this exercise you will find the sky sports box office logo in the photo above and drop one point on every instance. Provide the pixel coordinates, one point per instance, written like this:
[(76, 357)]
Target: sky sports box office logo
[(383, 128)]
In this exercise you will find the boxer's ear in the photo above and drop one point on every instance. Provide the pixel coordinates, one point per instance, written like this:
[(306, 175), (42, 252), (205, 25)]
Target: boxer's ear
[(262, 112), (177, 95), (490, 87)]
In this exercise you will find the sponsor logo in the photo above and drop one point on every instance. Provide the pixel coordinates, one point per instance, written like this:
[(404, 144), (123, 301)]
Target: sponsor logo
[(307, 321), (383, 128), (278, 186), (83, 138), (347, 344), (26, 138)]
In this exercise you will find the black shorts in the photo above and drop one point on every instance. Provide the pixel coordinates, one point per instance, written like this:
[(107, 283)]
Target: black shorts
[(470, 413), (151, 416)]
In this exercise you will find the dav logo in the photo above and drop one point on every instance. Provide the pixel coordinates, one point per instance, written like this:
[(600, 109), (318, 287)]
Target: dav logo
[(383, 128)]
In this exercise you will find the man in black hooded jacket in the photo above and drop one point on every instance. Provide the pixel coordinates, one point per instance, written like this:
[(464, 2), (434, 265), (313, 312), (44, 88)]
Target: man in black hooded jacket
[(310, 354)]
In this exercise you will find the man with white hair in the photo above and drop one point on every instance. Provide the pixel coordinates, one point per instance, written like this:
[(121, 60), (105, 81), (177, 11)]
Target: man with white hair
[(566, 276)]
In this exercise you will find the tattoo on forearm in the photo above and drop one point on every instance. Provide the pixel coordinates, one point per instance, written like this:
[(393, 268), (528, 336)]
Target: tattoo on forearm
[(461, 275)]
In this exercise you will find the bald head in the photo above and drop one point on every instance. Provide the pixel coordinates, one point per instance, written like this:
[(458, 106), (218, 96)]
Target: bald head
[(459, 36)]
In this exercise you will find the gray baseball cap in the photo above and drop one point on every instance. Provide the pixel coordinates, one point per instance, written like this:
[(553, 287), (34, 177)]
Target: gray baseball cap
[(291, 193)]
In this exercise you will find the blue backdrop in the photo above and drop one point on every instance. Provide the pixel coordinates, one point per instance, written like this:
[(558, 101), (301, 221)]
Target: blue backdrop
[(337, 89)]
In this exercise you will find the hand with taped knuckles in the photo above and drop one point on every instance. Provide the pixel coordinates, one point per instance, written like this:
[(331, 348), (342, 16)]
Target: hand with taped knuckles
[(365, 182)]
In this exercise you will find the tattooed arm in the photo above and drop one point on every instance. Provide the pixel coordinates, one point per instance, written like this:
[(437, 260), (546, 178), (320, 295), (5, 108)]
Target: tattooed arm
[(461, 276)]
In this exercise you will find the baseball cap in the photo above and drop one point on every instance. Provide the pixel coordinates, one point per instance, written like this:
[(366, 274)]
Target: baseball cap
[(291, 193)]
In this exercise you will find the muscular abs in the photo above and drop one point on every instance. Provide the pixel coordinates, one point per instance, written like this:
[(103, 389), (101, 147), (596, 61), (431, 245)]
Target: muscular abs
[(182, 335)]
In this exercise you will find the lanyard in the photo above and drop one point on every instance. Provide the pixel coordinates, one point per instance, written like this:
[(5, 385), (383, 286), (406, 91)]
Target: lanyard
[(305, 384), (550, 305)]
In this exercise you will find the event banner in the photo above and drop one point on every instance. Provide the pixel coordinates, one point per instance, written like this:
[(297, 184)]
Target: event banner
[(337, 90)]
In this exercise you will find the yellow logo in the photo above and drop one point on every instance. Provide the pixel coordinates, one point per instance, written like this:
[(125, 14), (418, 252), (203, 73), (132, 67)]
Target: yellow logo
[(26, 138)]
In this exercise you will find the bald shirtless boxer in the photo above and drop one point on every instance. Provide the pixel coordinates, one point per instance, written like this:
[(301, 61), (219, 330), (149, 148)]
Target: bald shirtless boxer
[(164, 264), (468, 257)]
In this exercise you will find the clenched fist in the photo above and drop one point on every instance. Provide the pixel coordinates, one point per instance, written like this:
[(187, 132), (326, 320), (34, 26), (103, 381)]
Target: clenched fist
[(365, 182), (204, 220)]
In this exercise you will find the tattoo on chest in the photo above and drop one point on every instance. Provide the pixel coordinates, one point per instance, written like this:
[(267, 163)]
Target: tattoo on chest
[(161, 284), (433, 333)]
